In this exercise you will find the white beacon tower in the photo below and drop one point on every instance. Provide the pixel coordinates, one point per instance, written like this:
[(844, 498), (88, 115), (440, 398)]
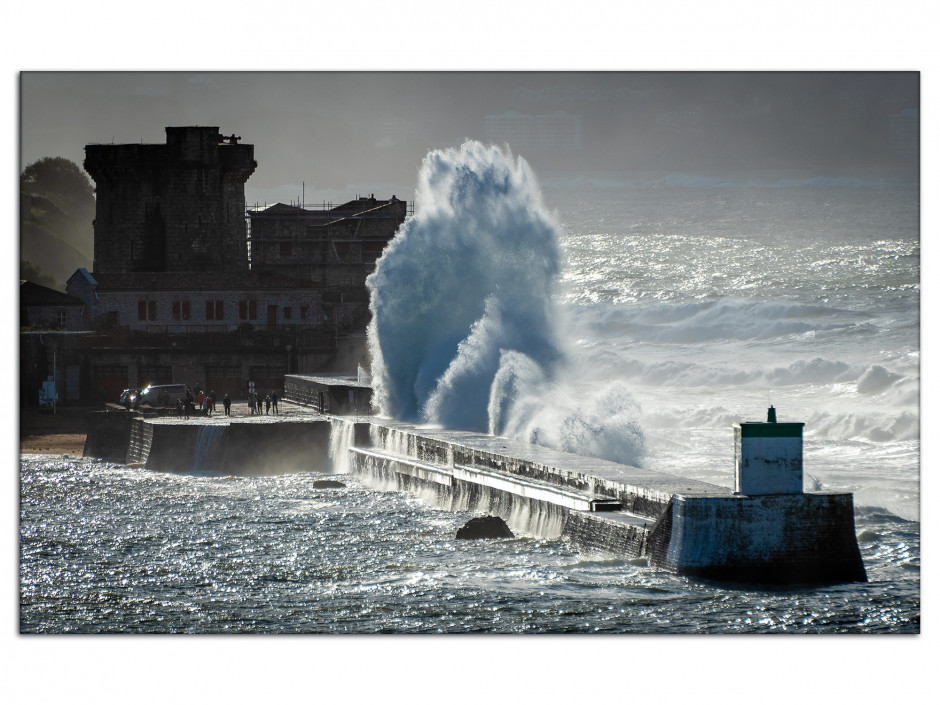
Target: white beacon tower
[(768, 457)]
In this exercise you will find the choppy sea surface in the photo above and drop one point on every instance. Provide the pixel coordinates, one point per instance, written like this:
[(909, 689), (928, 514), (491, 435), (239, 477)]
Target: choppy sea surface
[(708, 299), (111, 549)]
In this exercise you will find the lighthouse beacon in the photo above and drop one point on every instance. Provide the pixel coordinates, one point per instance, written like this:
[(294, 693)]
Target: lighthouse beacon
[(768, 457)]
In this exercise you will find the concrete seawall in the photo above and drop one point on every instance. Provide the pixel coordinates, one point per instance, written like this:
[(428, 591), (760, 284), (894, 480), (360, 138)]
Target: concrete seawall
[(680, 525), (795, 538), (109, 434), (684, 526), (275, 448), (269, 447)]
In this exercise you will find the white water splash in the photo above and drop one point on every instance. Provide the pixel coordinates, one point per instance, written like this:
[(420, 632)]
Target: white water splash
[(465, 332), (342, 434)]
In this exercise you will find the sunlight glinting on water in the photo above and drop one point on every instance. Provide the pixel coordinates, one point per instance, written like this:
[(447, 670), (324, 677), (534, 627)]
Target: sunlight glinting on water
[(691, 309)]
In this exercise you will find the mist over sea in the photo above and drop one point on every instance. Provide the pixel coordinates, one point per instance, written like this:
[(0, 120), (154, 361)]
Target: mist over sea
[(678, 304)]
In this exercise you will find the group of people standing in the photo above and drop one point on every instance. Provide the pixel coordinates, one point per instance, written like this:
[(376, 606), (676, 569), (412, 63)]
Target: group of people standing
[(269, 401), (204, 404), (186, 407)]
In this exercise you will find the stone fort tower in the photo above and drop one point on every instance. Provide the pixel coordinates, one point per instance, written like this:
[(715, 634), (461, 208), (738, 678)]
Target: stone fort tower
[(174, 207)]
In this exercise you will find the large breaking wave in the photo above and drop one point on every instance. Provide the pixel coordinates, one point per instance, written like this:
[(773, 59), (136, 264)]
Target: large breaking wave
[(465, 331)]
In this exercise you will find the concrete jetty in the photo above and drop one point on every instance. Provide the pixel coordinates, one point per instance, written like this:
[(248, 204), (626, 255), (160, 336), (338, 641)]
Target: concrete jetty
[(765, 531), (685, 526)]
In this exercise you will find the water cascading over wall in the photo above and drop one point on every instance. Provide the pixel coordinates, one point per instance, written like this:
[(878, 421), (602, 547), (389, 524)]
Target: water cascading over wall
[(342, 438), (681, 525), (524, 515), (456, 477), (206, 453)]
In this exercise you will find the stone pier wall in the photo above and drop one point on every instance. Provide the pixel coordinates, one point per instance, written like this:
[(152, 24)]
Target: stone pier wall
[(239, 448), (711, 534), (457, 448), (435, 485), (172, 447), (781, 539), (276, 448), (599, 534), (109, 434), (339, 396)]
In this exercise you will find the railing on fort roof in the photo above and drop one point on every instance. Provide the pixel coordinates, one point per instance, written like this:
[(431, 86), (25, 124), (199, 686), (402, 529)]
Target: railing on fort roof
[(322, 211)]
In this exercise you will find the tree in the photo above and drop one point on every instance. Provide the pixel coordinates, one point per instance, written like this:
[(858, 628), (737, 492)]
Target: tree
[(30, 272), (57, 210), (60, 180)]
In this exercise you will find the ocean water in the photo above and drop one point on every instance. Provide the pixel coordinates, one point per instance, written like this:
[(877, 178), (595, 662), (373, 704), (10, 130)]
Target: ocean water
[(711, 299), (680, 305)]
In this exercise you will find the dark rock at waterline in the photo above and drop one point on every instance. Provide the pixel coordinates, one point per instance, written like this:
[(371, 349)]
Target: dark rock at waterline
[(320, 484), (484, 528)]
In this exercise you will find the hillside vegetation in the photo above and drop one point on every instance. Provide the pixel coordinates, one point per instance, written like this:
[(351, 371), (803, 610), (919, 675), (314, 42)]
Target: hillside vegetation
[(57, 211)]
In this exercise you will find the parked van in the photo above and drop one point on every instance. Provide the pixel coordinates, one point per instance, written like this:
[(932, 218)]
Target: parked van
[(155, 395)]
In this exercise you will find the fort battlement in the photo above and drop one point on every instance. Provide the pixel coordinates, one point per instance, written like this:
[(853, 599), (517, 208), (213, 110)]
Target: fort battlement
[(174, 207)]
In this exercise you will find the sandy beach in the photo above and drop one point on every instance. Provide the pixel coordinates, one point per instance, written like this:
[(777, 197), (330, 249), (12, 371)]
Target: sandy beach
[(62, 433)]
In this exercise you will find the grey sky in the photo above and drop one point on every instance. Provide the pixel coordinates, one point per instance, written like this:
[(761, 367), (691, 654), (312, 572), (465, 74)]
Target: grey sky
[(340, 133)]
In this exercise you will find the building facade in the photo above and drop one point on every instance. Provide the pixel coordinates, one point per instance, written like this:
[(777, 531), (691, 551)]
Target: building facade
[(333, 247), (179, 292), (181, 304), (42, 308), (50, 321)]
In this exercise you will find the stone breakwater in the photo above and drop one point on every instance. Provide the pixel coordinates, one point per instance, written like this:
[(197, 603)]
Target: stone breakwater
[(684, 526)]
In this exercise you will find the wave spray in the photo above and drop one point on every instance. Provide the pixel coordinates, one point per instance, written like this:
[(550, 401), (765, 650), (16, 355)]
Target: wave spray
[(465, 331)]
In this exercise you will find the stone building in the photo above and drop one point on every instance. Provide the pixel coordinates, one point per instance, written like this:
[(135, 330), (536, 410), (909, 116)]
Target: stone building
[(43, 308), (50, 322), (179, 291), (174, 207), (334, 247), (174, 303), (212, 330), (331, 246)]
